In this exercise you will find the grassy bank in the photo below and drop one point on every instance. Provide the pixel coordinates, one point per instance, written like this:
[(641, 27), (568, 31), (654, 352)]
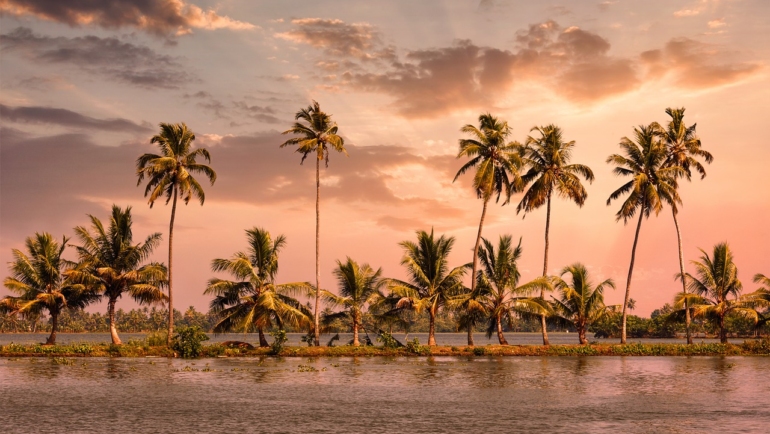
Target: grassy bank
[(217, 350)]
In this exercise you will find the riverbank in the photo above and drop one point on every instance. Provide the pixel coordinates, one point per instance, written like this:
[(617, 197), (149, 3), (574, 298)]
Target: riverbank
[(218, 350)]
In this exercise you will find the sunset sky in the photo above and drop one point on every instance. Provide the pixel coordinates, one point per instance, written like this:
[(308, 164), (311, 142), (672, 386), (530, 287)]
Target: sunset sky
[(85, 84)]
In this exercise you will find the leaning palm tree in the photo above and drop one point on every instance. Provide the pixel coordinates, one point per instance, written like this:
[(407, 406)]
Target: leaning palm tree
[(652, 184), (498, 281), (683, 148), (548, 158), (170, 173), (317, 137), (716, 291), (254, 301), (431, 282), (497, 164), (111, 263), (581, 303), (360, 285), (39, 277)]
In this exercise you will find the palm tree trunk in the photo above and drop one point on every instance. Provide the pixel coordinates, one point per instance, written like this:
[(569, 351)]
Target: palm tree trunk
[(170, 268), (722, 330), (54, 328), (581, 329), (432, 326), (476, 261), (471, 325), (355, 330), (628, 282), (543, 325), (113, 328), (262, 340), (681, 273), (317, 322), (500, 336)]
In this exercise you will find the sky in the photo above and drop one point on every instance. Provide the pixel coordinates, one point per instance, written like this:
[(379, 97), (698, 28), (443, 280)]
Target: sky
[(84, 86)]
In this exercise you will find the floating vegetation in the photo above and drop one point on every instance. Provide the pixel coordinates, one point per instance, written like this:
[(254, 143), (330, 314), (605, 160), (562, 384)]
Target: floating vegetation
[(306, 368), (62, 361)]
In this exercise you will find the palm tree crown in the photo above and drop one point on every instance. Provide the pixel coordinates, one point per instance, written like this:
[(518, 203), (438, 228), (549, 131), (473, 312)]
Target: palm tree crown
[(317, 135), (110, 262), (40, 278), (431, 282), (581, 303), (359, 285), (717, 290), (253, 301), (683, 145)]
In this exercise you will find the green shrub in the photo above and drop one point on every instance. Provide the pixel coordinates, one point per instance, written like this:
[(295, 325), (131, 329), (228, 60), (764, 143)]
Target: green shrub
[(388, 341), (414, 347), (479, 351), (279, 339), (156, 339), (82, 348), (214, 350), (187, 341)]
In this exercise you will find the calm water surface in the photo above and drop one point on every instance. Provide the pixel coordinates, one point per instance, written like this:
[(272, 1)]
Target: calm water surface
[(425, 395)]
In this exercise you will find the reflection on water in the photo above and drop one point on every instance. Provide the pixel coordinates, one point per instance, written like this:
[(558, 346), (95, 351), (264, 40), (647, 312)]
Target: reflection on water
[(448, 339), (448, 394)]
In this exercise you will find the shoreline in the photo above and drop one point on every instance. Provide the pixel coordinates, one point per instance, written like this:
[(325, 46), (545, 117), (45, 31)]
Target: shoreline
[(749, 348)]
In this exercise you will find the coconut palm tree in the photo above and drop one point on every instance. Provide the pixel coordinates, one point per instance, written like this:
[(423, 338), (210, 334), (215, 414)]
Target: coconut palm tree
[(716, 291), (170, 173), (652, 184), (548, 157), (498, 281), (39, 277), (111, 263), (683, 150), (318, 135), (254, 301), (497, 164), (359, 285), (581, 303), (431, 282)]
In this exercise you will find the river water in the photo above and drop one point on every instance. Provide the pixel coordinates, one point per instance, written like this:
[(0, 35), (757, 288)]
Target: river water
[(356, 395), (458, 339)]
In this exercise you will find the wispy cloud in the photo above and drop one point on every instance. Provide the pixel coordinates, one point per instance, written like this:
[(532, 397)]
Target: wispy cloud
[(68, 118)]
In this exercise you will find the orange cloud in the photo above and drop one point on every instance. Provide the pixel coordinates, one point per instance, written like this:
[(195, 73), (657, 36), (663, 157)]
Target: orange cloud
[(338, 38), (159, 17)]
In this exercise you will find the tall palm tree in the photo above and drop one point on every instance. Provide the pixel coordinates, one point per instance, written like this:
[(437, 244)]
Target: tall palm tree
[(111, 263), (39, 277), (431, 282), (170, 173), (683, 148), (548, 157), (716, 291), (497, 164), (254, 301), (581, 303), (652, 184), (498, 281), (359, 285), (318, 135)]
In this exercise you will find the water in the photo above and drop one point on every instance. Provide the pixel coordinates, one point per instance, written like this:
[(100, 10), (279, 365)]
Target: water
[(448, 339), (422, 395)]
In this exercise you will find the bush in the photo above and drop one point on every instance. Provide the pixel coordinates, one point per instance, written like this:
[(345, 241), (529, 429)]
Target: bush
[(388, 341), (414, 347), (83, 348), (279, 338), (479, 351), (214, 350), (156, 339), (187, 341)]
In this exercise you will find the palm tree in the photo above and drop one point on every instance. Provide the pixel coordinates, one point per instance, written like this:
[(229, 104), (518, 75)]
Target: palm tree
[(498, 280), (317, 136), (431, 282), (683, 147), (112, 264), (254, 301), (497, 166), (716, 291), (359, 285), (39, 277), (652, 184), (548, 158), (170, 174), (581, 303)]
